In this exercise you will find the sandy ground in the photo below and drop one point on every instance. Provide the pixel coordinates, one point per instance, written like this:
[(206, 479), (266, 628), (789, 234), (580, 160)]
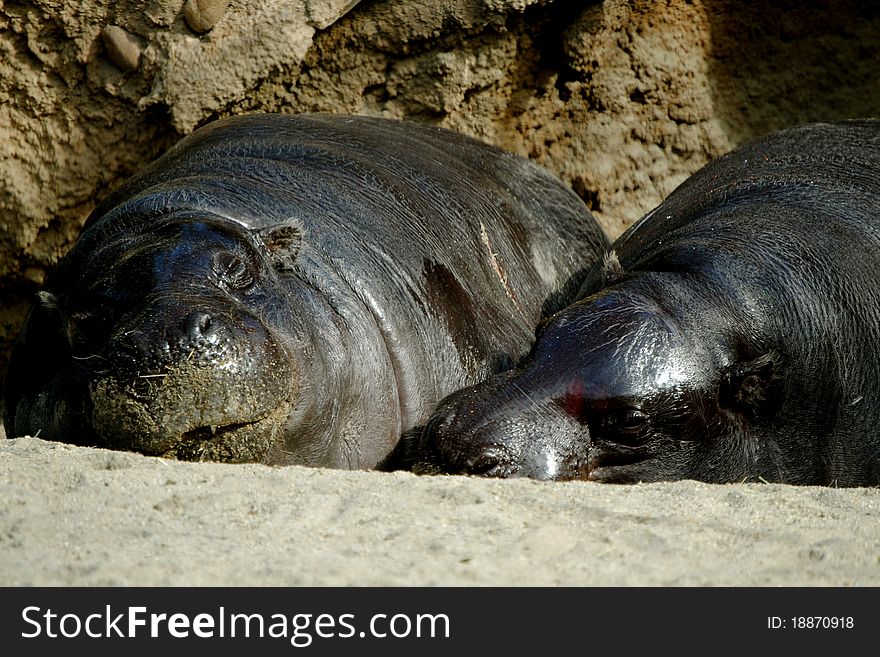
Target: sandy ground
[(77, 516)]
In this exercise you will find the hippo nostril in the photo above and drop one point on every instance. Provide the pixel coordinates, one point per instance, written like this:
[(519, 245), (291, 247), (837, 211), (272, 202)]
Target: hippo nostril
[(132, 351), (205, 322), (486, 463), (437, 423), (200, 323), (483, 464)]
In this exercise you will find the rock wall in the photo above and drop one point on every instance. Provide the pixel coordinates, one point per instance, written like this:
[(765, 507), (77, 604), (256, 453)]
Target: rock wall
[(623, 99)]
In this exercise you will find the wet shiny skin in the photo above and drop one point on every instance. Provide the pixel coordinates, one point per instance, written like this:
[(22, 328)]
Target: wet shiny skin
[(731, 335)]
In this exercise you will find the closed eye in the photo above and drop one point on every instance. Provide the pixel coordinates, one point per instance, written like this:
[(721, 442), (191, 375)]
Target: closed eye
[(232, 271), (610, 420), (88, 328), (627, 419), (627, 426)]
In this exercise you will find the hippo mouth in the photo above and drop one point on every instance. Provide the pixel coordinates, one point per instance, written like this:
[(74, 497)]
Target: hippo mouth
[(194, 413), (611, 466), (549, 446), (495, 453), (235, 442), (545, 464)]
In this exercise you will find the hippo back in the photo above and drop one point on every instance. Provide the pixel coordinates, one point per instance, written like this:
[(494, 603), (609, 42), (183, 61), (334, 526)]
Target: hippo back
[(828, 174)]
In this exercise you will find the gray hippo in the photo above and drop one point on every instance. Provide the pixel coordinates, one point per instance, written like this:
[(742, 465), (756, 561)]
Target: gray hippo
[(296, 290), (731, 334)]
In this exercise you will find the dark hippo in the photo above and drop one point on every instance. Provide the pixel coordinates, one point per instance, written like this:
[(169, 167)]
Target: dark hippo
[(296, 289), (733, 334)]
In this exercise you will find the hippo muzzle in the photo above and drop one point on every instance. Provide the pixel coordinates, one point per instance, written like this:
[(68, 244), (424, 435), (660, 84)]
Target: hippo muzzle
[(495, 429), (189, 379)]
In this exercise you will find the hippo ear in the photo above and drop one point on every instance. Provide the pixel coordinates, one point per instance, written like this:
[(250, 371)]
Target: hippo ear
[(282, 243), (752, 387), (612, 269), (48, 302)]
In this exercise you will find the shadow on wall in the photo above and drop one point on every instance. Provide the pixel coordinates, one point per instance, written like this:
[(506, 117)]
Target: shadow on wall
[(784, 62)]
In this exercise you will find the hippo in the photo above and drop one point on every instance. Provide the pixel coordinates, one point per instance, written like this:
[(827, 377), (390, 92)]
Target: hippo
[(732, 334), (296, 289)]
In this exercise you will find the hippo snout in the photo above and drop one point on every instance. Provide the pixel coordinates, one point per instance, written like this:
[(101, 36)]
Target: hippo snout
[(177, 379), (443, 450), (463, 437), (147, 348)]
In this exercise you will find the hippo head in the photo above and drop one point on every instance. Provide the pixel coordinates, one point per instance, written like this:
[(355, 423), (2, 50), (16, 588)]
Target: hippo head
[(619, 387), (167, 344)]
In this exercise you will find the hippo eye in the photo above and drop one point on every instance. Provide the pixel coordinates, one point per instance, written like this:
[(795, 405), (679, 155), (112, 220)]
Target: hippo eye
[(87, 328), (625, 425), (232, 271)]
